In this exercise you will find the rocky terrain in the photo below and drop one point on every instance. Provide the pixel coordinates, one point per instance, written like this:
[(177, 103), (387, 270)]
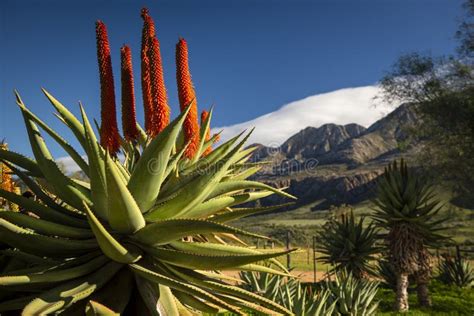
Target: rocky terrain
[(337, 164)]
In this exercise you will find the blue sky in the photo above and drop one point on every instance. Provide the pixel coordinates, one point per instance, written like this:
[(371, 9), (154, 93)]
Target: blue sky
[(247, 57)]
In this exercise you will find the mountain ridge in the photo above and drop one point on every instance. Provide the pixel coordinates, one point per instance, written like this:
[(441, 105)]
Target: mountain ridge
[(337, 163)]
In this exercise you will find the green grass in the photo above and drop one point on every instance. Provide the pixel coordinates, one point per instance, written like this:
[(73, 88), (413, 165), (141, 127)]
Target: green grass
[(447, 300), (303, 223)]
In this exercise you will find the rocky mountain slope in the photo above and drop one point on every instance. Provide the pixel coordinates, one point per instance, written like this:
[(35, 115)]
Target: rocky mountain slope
[(337, 164)]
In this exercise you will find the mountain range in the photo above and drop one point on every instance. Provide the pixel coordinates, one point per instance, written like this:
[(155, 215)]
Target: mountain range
[(337, 164)]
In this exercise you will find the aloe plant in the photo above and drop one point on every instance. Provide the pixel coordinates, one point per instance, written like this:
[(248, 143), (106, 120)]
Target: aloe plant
[(288, 292), (353, 296), (349, 245), (456, 271), (147, 234), (406, 208)]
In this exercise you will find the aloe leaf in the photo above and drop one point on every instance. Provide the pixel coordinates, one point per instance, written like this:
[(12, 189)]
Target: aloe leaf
[(44, 227), (109, 245), (55, 275), (96, 309), (147, 177), (208, 248), (226, 289), (215, 205), (246, 173), (123, 212), (262, 269), (115, 295), (68, 118), (63, 186), (245, 304), (27, 257), (142, 137), (194, 192), (27, 241), (41, 210), (149, 294), (237, 213), (232, 185), (21, 161), (215, 155), (195, 303), (204, 128), (181, 286), (61, 141), (70, 292), (38, 191), (163, 232), (173, 162), (204, 261), (167, 304), (97, 169)]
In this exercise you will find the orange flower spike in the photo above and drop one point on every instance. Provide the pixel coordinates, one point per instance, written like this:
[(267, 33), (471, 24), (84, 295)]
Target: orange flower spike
[(161, 109), (147, 33), (204, 116), (187, 95), (129, 119), (109, 136)]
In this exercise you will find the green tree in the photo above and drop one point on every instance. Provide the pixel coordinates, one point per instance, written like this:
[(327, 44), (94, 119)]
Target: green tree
[(441, 89)]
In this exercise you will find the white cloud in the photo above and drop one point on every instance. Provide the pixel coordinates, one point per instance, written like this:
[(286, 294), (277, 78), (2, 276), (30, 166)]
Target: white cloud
[(67, 164), (70, 166), (344, 106)]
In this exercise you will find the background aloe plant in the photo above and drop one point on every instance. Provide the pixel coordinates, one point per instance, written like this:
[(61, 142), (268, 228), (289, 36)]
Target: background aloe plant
[(349, 245), (352, 296), (289, 292), (406, 208), (145, 235), (456, 271)]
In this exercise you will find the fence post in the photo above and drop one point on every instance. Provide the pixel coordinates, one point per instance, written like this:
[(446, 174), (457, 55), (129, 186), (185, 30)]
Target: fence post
[(458, 252), (314, 259), (288, 259), (307, 254)]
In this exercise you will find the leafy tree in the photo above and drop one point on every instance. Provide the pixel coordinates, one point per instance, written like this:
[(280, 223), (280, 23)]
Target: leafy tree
[(441, 89)]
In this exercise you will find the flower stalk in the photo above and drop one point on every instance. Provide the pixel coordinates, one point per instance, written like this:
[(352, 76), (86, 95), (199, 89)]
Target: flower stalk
[(187, 96), (129, 120), (161, 110), (109, 136)]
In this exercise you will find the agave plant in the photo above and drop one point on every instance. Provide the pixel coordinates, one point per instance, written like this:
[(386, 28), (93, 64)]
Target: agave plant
[(147, 234), (353, 296), (349, 245), (288, 292), (407, 209), (456, 271), (387, 274)]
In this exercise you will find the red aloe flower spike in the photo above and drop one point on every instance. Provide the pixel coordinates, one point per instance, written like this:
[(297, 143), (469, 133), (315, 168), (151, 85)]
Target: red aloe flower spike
[(109, 136), (186, 96), (161, 109), (129, 120), (204, 116), (147, 33)]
